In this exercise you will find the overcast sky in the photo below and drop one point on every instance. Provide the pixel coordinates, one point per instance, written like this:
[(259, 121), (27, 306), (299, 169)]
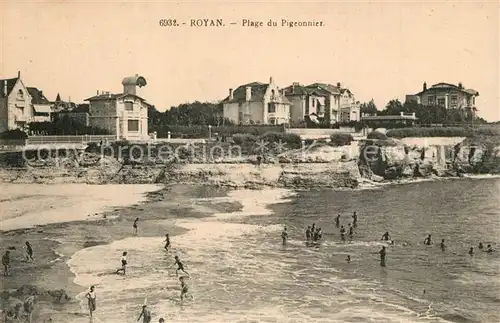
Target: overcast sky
[(380, 50)]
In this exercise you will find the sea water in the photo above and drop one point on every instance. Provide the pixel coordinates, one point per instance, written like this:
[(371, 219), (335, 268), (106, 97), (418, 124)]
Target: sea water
[(240, 272)]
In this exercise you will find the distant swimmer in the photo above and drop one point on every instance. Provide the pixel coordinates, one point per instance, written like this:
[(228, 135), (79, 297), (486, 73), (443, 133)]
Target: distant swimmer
[(337, 221), (91, 299), (354, 219), (480, 246), (145, 314), (489, 249), (6, 263), (382, 256), (184, 289), (308, 233), (428, 240), (342, 233), (284, 236), (442, 245), (167, 242), (351, 231), (471, 251), (180, 266), (135, 225), (386, 236), (123, 260), (29, 252), (348, 259), (313, 229)]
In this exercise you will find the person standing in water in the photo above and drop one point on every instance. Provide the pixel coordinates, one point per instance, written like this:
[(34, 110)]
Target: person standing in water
[(354, 219), (91, 299), (428, 240), (180, 266), (342, 233), (313, 229), (382, 256), (184, 288), (167, 242), (135, 225), (29, 252), (489, 249), (145, 314), (337, 221), (124, 264), (308, 233), (284, 236), (471, 251), (480, 247), (6, 263), (351, 231), (442, 245), (348, 259), (386, 236)]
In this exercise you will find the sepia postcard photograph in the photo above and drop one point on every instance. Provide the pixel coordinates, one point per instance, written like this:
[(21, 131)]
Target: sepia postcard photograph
[(249, 161)]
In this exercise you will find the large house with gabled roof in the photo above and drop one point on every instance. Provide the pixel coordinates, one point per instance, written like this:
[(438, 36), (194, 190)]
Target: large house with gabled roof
[(16, 111), (125, 114), (257, 103), (42, 107), (449, 96)]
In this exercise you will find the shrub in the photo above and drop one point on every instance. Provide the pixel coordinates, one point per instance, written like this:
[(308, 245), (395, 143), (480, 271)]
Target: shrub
[(432, 132), (244, 139), (14, 134), (290, 139), (341, 139), (377, 135)]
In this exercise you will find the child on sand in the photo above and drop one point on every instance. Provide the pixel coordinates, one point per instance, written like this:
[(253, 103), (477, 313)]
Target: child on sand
[(91, 298), (135, 225), (29, 252), (6, 263), (124, 264)]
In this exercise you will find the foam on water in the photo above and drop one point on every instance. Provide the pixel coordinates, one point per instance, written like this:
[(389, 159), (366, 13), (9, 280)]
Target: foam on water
[(236, 274)]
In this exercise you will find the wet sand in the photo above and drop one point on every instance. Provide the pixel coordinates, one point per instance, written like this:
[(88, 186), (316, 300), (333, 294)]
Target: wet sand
[(54, 244)]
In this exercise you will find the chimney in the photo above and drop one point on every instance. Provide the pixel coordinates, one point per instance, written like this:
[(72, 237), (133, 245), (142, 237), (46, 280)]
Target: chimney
[(97, 92), (248, 93), (271, 80), (5, 88), (338, 84), (425, 86), (231, 94), (18, 74), (460, 86)]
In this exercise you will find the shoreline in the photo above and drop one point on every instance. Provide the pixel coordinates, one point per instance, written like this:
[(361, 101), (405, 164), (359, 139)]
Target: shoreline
[(53, 252), (54, 245)]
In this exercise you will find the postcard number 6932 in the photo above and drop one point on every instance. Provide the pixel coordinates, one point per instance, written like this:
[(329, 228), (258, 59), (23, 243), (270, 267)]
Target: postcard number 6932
[(168, 22)]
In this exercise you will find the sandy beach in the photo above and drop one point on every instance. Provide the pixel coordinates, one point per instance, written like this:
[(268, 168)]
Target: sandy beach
[(55, 242)]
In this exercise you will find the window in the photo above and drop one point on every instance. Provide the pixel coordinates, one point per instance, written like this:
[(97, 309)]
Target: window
[(129, 105), (20, 94), (441, 102), (133, 125), (431, 99), (273, 95), (271, 108), (313, 102), (454, 99)]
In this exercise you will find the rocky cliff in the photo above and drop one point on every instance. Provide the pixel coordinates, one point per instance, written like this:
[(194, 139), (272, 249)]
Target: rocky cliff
[(316, 166)]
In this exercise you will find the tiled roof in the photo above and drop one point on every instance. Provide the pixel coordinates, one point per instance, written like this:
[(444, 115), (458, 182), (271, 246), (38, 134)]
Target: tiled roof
[(327, 87), (10, 86), (258, 92), (112, 96), (443, 85), (37, 96), (296, 90)]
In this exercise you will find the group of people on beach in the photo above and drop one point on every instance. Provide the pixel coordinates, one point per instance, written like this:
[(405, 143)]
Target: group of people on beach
[(145, 312)]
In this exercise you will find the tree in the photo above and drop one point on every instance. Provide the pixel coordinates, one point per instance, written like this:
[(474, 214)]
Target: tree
[(393, 107), (369, 108)]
